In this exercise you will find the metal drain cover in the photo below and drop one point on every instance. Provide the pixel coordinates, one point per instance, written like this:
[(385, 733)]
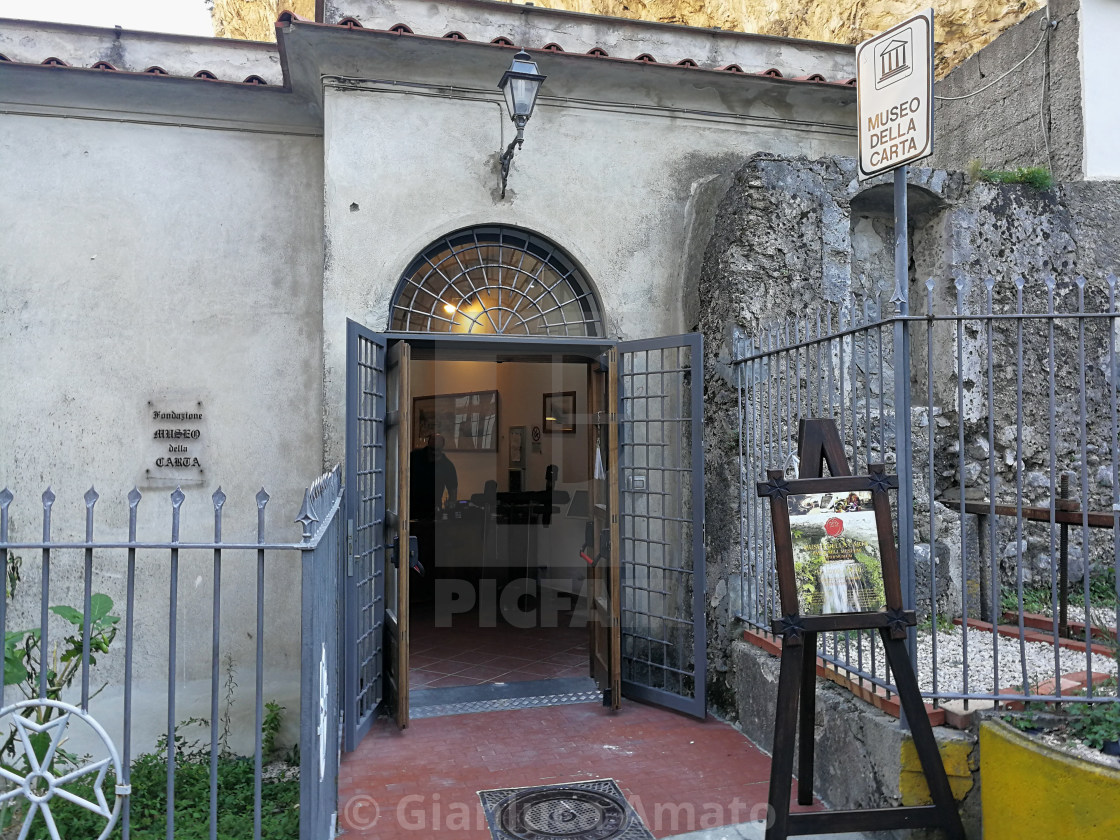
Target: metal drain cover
[(583, 811)]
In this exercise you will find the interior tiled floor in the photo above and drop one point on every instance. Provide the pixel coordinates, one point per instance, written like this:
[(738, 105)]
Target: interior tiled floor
[(680, 774), (467, 654)]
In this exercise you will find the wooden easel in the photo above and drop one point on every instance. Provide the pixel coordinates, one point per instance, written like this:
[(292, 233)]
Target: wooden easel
[(819, 443)]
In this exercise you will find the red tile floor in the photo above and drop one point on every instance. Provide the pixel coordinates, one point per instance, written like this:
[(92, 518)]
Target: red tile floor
[(468, 654), (680, 774)]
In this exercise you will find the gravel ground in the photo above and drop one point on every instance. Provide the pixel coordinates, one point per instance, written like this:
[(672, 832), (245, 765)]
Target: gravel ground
[(981, 674), (1102, 616)]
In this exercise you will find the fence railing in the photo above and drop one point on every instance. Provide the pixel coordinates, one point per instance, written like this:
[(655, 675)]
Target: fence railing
[(180, 662), (1005, 388)]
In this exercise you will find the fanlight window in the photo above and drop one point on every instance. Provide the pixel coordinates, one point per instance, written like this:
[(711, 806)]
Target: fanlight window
[(495, 281)]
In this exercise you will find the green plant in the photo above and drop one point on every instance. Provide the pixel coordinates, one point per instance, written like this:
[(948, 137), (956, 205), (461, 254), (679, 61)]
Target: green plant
[(1036, 599), (23, 667), (944, 623), (1038, 177), (1026, 720), (270, 727), (235, 784), (1095, 723), (230, 686), (1102, 588)]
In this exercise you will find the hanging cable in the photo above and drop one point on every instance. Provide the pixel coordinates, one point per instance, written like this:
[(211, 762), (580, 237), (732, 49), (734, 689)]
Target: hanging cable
[(1004, 75)]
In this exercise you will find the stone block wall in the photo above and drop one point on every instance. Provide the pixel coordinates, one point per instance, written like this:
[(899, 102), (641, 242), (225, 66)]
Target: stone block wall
[(1018, 102), (791, 232)]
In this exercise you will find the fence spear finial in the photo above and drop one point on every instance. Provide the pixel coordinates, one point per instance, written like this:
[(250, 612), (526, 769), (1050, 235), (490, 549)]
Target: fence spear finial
[(306, 517)]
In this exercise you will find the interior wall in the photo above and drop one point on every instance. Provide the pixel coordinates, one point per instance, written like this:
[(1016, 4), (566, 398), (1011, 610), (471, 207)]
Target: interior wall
[(521, 388)]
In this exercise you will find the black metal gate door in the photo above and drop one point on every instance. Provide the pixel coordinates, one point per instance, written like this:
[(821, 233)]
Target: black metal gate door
[(363, 584), (661, 521)]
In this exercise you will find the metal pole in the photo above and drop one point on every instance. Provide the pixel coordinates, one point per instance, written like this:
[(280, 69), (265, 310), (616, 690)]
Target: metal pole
[(902, 401)]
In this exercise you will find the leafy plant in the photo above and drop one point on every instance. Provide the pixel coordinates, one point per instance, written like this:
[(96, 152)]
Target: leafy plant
[(230, 686), (23, 667), (1095, 723), (1036, 599), (270, 727), (1027, 719), (1038, 177)]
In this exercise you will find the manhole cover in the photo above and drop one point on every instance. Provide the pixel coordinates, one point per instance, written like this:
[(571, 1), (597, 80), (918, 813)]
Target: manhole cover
[(583, 811)]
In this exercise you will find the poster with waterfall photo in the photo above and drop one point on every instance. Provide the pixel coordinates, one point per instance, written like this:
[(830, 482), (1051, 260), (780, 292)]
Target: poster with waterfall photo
[(836, 558)]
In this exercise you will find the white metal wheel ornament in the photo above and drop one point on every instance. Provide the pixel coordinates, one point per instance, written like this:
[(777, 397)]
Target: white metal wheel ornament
[(43, 784)]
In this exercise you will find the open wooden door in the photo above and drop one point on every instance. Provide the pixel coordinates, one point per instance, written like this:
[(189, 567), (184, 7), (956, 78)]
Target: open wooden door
[(602, 541), (398, 442)]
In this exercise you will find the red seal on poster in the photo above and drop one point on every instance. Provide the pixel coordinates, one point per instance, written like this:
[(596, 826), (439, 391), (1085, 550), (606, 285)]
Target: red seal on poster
[(834, 526)]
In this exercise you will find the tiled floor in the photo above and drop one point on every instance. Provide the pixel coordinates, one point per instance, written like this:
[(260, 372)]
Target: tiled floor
[(467, 654), (680, 774)]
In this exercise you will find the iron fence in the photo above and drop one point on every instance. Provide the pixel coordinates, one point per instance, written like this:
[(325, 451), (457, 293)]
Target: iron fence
[(996, 402), (40, 780)]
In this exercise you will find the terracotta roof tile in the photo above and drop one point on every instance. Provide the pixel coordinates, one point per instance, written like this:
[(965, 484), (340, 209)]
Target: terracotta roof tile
[(599, 52), (501, 41)]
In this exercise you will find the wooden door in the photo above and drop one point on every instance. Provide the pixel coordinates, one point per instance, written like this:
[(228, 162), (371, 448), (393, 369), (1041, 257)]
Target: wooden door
[(603, 576), (398, 440)]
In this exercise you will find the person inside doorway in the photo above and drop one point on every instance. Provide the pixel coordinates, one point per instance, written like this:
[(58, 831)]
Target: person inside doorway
[(433, 477)]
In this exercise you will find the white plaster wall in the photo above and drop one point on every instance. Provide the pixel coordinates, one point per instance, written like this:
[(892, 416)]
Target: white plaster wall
[(1100, 67), (610, 185), (176, 264)]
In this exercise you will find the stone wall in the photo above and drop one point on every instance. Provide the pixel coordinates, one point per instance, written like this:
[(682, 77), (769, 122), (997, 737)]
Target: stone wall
[(791, 232), (1019, 102)]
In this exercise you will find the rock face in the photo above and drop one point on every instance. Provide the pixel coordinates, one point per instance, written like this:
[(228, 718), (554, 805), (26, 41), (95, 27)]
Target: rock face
[(791, 232), (962, 26), (255, 20)]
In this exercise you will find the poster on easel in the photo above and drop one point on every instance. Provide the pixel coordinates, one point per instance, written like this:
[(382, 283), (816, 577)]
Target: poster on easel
[(837, 563)]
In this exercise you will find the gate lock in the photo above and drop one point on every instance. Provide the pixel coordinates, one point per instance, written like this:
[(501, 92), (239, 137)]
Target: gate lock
[(413, 554)]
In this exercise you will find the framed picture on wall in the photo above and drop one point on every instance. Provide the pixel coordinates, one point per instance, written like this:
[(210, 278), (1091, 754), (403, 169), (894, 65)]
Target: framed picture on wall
[(468, 422), (560, 412)]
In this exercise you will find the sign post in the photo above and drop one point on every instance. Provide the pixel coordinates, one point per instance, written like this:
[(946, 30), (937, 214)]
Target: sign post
[(894, 106)]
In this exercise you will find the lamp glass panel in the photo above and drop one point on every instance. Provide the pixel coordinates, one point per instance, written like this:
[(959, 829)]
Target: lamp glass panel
[(524, 95)]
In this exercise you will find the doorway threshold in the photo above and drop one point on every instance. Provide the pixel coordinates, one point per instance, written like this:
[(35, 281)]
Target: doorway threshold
[(493, 697)]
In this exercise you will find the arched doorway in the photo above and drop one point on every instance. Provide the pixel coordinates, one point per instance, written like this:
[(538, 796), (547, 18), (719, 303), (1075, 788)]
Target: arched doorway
[(497, 350)]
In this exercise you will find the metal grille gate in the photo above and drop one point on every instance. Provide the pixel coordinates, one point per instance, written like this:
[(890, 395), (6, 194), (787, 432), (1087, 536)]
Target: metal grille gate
[(661, 522), (363, 586)]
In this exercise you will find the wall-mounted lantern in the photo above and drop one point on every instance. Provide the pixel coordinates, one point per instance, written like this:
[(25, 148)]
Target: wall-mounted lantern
[(520, 84)]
